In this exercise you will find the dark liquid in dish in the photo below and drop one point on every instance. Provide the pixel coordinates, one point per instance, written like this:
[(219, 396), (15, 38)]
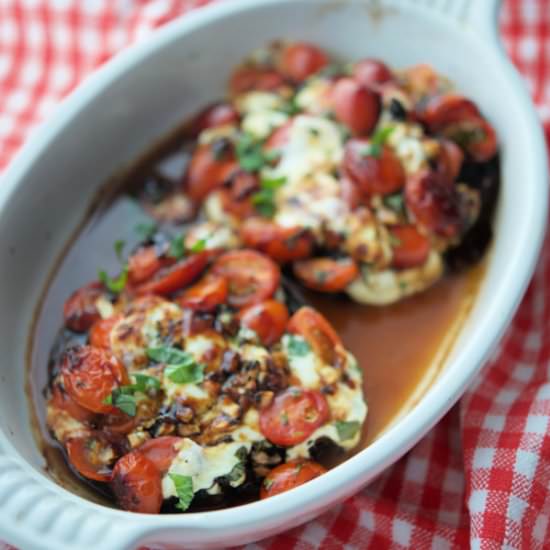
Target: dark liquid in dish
[(423, 325)]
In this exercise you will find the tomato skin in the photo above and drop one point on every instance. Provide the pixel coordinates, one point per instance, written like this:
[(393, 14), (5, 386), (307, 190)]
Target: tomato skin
[(80, 311), (482, 145), (267, 319), (300, 60), (100, 333), (442, 110), (371, 73), (237, 200), (245, 79), (381, 174), (450, 160), (252, 277), (118, 423), (63, 401), (282, 244), (317, 332), (161, 451), (279, 138), (290, 475), (177, 276), (355, 106), (412, 249), (205, 295), (85, 455), (434, 203), (206, 172), (293, 416), (136, 483), (218, 114), (350, 193), (144, 263), (326, 274), (90, 375)]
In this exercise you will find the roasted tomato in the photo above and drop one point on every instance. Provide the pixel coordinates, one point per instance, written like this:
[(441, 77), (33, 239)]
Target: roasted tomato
[(371, 73), (449, 160), (350, 193), (63, 401), (410, 248), (119, 423), (252, 277), (293, 416), (136, 483), (161, 451), (326, 274), (100, 333), (355, 106), (144, 263), (376, 170), (205, 295), (317, 332), (267, 319), (279, 138), (91, 455), (300, 60), (290, 475), (218, 114), (245, 79), (434, 203), (476, 136), (90, 375), (80, 311), (177, 276), (282, 244), (443, 110), (237, 199), (210, 167), (421, 81)]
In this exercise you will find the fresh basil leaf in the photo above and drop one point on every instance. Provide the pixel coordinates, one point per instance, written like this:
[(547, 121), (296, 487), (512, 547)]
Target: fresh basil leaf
[(144, 383), (119, 247), (382, 134), (185, 373), (116, 284), (168, 355), (177, 247), (395, 202), (272, 183), (198, 246), (347, 430), (264, 202), (297, 346), (124, 402), (184, 490), (236, 473), (241, 453), (146, 230)]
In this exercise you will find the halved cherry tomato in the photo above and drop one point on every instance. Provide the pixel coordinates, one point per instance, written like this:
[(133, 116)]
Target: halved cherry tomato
[(119, 423), (450, 159), (87, 454), (422, 80), (237, 200), (371, 73), (317, 332), (411, 247), (205, 295), (245, 79), (476, 136), (177, 276), (350, 193), (282, 244), (80, 311), (434, 203), (144, 263), (279, 138), (161, 451), (267, 319), (90, 375), (252, 277), (442, 110), (300, 60), (293, 416), (218, 114), (100, 333), (375, 172), (63, 401), (207, 171), (355, 106), (326, 274), (136, 483), (288, 476)]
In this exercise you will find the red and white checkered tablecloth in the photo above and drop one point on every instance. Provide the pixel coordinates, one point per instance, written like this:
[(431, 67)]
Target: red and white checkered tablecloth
[(482, 476)]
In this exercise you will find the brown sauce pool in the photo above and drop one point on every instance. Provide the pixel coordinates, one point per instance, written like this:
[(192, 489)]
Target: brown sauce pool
[(401, 348)]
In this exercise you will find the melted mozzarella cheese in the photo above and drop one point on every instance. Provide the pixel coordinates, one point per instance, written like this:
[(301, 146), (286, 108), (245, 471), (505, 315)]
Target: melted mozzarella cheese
[(314, 97), (305, 367), (254, 102), (214, 235), (407, 142), (261, 124)]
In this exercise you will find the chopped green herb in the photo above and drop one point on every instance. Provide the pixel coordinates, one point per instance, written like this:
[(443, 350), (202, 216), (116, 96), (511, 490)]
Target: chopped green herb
[(377, 140), (268, 483), (251, 155), (241, 453), (185, 373), (395, 202), (236, 473), (184, 490), (198, 246), (264, 200), (291, 107), (347, 430), (124, 398), (297, 346), (119, 247), (146, 230), (123, 401), (272, 184), (144, 382), (116, 284), (168, 355), (177, 247)]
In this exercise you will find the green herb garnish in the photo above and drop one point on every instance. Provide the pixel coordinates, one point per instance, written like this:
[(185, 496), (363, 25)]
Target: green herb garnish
[(119, 247), (146, 230), (177, 247), (184, 490), (395, 202), (124, 402), (198, 246), (181, 368), (124, 398), (264, 199), (168, 355), (251, 155), (297, 346), (347, 430), (144, 383), (377, 140), (114, 284)]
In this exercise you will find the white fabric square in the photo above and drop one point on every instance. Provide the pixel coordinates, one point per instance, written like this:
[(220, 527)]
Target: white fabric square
[(494, 422), (541, 526), (417, 469), (536, 423), (516, 508), (526, 463), (401, 532), (483, 457), (528, 48), (477, 501)]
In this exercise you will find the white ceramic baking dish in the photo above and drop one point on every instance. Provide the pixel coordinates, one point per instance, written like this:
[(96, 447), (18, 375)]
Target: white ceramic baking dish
[(140, 95)]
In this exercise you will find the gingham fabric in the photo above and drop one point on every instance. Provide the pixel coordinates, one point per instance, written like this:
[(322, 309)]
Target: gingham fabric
[(481, 478)]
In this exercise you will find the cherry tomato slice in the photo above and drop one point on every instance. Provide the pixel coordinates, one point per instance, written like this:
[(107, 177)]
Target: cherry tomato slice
[(218, 114), (119, 423), (100, 333), (317, 332), (87, 455), (442, 110), (136, 483), (252, 277), (90, 375), (293, 416), (434, 203), (375, 172), (80, 311), (205, 295), (177, 276), (288, 476), (350, 193), (161, 451), (422, 81), (326, 274), (450, 159), (279, 138), (476, 136), (300, 60), (63, 401), (207, 171), (371, 73), (245, 79), (410, 248), (355, 106), (267, 319), (144, 263), (282, 244), (237, 200)]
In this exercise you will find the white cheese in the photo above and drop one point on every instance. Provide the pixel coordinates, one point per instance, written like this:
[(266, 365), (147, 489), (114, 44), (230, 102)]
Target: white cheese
[(254, 102), (304, 367), (261, 124)]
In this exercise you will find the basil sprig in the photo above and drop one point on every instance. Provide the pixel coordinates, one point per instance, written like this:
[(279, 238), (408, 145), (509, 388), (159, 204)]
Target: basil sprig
[(184, 490), (124, 398), (181, 367)]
